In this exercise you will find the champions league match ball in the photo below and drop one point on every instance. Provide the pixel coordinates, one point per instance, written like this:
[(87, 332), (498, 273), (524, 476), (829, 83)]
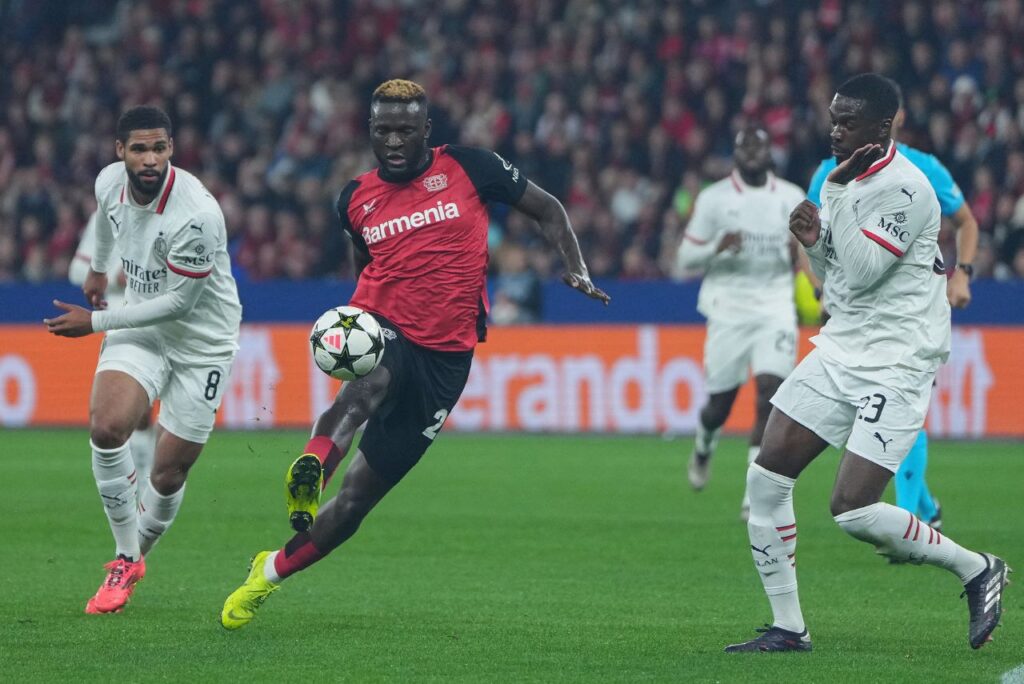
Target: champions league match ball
[(347, 343)]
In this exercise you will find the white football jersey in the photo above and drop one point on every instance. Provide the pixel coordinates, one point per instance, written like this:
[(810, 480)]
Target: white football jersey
[(902, 317), (755, 281), (181, 231)]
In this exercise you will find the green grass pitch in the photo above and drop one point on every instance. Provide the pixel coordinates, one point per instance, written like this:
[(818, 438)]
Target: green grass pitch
[(499, 559)]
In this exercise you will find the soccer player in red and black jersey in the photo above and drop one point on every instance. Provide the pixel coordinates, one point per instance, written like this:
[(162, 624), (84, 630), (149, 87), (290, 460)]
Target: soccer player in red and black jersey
[(418, 226)]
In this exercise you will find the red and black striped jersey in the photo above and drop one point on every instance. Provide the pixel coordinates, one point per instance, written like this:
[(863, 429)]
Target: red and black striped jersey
[(427, 240)]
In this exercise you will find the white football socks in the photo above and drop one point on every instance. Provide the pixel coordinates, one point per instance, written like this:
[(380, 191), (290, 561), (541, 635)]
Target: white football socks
[(772, 530), (752, 452), (143, 443), (706, 440), (269, 571), (156, 513), (116, 481), (902, 536)]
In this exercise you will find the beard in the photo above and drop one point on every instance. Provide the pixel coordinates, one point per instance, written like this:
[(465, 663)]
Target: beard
[(143, 188)]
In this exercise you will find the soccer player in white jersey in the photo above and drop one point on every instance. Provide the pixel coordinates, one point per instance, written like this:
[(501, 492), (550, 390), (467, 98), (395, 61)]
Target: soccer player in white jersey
[(143, 439), (739, 236), (174, 338), (867, 383)]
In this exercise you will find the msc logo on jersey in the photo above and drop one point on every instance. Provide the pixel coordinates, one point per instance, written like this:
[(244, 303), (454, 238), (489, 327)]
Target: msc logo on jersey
[(435, 183), (892, 229)]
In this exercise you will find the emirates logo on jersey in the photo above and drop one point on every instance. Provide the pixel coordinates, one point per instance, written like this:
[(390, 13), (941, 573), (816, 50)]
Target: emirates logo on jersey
[(418, 219), (435, 183)]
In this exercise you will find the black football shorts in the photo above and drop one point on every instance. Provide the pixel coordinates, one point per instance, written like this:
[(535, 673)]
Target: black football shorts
[(425, 385)]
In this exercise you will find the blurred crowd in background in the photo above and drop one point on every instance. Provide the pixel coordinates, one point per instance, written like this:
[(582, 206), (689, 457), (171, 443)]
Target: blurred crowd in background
[(623, 109)]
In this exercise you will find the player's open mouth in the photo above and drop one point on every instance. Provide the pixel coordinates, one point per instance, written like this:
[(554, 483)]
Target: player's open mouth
[(395, 160)]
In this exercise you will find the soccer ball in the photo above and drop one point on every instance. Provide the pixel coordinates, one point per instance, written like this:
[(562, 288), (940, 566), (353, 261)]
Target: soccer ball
[(347, 343)]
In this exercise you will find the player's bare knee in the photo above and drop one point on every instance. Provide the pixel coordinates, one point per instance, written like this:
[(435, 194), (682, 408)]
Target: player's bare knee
[(772, 458), (845, 501), (107, 433), (168, 479), (713, 415), (357, 402)]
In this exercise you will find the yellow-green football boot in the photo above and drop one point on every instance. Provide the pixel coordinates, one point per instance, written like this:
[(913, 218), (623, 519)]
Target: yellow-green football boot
[(241, 606), (302, 486)]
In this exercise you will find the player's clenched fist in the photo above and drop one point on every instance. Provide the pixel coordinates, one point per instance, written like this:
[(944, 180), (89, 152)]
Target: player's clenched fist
[(94, 287), (804, 223)]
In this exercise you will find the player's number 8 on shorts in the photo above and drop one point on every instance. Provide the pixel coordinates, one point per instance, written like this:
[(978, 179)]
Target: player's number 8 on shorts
[(212, 382)]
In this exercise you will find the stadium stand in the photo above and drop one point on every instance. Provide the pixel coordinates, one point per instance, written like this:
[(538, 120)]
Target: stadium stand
[(622, 109)]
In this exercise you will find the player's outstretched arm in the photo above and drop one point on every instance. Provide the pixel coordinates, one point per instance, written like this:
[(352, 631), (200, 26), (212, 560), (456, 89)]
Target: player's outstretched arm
[(550, 215), (182, 293)]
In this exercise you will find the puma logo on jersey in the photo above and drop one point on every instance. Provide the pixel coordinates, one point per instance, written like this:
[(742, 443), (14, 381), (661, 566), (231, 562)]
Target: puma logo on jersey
[(369, 206), (417, 219), (117, 224), (195, 227), (764, 550), (908, 193), (885, 442)]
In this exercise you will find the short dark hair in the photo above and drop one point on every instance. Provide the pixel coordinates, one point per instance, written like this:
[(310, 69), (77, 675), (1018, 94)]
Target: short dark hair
[(881, 98), (899, 91), (142, 118), (400, 90)]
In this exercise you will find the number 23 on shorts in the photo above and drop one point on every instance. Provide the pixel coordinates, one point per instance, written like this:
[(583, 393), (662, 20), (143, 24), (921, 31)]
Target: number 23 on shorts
[(869, 411)]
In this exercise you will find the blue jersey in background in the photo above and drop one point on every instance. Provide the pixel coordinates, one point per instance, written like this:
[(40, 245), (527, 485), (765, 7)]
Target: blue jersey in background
[(950, 197)]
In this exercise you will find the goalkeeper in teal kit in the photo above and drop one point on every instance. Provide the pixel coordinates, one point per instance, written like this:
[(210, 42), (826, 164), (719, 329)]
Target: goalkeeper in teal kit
[(912, 492)]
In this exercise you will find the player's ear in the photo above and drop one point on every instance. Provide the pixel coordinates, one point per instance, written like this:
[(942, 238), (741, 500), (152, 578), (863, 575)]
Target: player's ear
[(170, 147), (426, 130), (885, 128), (119, 149)]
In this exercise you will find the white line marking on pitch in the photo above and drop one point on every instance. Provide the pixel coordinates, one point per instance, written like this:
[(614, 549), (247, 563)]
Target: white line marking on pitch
[(1014, 676)]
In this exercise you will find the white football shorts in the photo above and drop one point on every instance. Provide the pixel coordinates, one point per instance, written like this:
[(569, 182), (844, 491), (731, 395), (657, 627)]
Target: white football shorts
[(733, 350), (190, 392), (875, 412)]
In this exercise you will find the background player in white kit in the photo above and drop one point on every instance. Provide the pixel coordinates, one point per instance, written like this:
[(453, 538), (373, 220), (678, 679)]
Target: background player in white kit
[(143, 439), (174, 339), (867, 383), (739, 235)]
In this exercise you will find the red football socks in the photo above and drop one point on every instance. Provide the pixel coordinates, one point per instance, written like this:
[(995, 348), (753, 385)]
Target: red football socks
[(298, 554), (329, 455)]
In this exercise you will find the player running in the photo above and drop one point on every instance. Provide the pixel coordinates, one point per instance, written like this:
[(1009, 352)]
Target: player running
[(174, 338), (418, 226), (143, 439), (739, 235), (912, 493), (866, 385)]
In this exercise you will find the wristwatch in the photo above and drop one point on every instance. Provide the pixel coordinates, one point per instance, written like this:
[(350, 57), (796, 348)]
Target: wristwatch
[(967, 268)]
